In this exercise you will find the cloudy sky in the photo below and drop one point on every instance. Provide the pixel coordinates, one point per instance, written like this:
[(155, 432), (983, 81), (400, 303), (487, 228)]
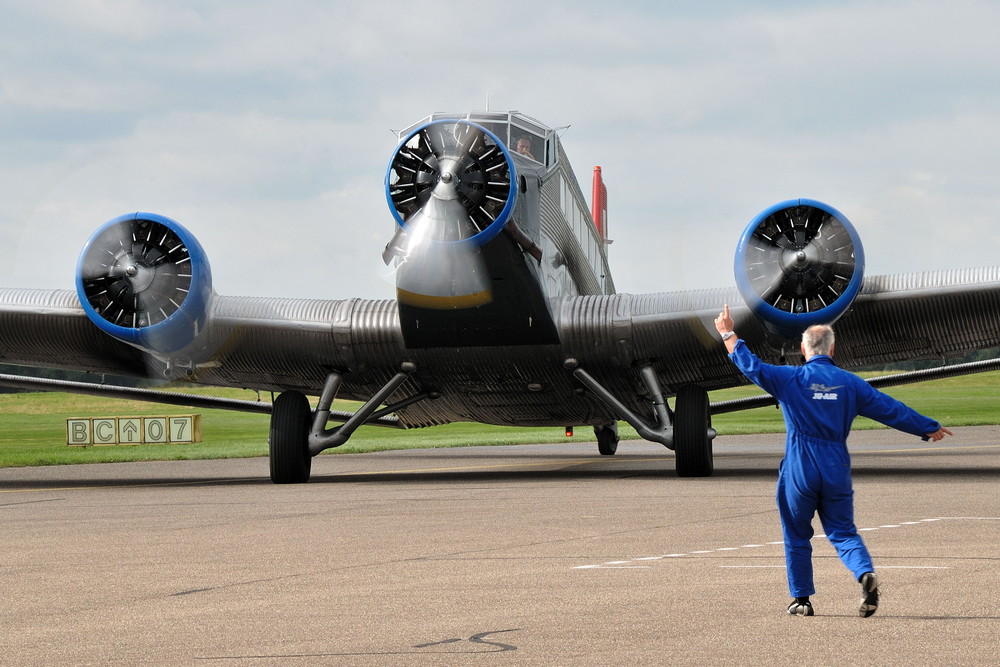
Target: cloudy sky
[(266, 127)]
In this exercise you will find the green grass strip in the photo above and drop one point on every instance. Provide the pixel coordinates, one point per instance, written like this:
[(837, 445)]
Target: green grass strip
[(34, 425)]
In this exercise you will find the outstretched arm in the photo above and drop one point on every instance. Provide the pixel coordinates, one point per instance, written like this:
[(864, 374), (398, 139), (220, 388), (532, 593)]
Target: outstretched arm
[(887, 410)]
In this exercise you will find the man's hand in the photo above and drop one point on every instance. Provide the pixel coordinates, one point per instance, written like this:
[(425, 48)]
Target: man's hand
[(938, 434), (724, 322)]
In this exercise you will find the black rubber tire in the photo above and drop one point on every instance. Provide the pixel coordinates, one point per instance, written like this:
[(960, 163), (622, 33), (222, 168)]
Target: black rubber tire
[(692, 446), (289, 441), (607, 438)]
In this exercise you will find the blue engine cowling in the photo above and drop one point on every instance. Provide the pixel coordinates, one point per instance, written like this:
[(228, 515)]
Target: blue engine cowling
[(145, 280), (799, 263)]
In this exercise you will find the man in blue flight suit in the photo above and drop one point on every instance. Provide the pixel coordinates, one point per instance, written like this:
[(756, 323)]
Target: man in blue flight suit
[(819, 402)]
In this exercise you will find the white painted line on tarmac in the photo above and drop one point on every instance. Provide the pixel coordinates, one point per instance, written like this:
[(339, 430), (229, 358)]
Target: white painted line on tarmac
[(624, 564)]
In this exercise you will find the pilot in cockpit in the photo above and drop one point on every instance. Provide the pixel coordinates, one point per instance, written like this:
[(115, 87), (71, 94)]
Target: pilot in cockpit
[(523, 147)]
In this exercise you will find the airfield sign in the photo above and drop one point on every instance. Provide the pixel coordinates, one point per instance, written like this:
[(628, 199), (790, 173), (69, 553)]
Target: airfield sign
[(158, 430)]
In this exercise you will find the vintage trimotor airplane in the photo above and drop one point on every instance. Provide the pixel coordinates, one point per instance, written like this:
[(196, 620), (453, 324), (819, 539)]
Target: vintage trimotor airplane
[(506, 312)]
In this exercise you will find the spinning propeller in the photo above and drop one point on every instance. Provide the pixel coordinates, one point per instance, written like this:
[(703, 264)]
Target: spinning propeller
[(139, 274), (799, 263), (145, 280), (449, 187), (800, 259)]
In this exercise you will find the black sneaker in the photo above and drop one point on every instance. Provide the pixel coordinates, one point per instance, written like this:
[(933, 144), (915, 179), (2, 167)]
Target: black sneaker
[(800, 607), (869, 589)]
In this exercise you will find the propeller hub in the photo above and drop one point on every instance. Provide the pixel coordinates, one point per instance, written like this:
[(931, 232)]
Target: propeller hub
[(143, 279), (449, 180), (799, 259)]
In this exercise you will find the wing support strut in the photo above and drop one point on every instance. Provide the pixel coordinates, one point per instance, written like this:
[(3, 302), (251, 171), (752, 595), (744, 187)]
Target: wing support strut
[(661, 432), (321, 438)]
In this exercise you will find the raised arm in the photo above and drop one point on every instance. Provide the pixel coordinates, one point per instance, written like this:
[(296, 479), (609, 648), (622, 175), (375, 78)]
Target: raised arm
[(724, 325)]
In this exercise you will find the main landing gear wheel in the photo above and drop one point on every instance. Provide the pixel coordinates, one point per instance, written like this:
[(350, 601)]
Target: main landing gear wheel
[(289, 441), (607, 438), (692, 445)]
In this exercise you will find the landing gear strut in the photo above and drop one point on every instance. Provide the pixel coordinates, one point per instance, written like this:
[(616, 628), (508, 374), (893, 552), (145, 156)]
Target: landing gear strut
[(687, 430), (298, 433)]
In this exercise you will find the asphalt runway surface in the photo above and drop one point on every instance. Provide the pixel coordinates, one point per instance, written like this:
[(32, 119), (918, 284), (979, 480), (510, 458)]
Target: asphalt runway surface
[(527, 555)]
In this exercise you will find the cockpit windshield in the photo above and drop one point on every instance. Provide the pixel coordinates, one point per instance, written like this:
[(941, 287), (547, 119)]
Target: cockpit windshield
[(521, 134)]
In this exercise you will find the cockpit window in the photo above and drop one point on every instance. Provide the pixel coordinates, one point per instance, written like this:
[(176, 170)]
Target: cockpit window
[(521, 134)]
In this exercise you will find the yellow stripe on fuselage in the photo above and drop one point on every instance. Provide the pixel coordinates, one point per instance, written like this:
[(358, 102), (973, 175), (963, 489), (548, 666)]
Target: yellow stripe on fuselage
[(444, 302)]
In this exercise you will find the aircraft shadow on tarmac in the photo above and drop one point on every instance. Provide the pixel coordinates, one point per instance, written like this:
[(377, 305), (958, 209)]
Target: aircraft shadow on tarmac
[(446, 469)]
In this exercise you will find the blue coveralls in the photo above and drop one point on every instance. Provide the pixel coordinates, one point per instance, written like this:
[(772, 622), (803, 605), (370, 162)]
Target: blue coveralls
[(819, 402)]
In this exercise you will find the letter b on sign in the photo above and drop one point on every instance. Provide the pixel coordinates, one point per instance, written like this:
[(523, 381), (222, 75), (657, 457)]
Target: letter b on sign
[(78, 432)]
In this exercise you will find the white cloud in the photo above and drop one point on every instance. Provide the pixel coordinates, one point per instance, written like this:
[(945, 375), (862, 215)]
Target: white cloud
[(264, 127)]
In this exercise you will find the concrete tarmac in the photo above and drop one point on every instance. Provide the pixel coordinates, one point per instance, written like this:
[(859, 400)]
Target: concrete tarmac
[(527, 555)]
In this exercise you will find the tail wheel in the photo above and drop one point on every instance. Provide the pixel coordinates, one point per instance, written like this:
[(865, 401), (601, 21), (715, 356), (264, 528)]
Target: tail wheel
[(289, 441), (607, 438), (692, 444)]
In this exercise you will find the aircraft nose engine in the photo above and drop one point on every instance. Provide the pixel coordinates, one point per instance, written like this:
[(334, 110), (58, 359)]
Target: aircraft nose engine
[(449, 187), (145, 280), (799, 263)]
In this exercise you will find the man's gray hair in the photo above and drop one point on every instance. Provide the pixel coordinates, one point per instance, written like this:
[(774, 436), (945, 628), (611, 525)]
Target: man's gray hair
[(818, 339)]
